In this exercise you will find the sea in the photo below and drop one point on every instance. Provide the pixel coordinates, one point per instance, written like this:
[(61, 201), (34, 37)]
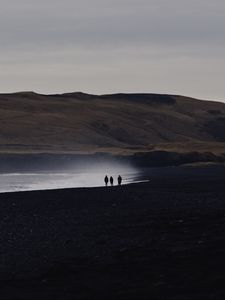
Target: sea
[(15, 182)]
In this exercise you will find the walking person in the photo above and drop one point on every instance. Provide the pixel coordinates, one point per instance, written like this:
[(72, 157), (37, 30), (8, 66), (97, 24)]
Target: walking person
[(111, 180), (119, 179), (106, 179)]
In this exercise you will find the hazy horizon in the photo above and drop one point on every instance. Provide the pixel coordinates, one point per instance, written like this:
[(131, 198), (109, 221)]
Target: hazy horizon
[(104, 47)]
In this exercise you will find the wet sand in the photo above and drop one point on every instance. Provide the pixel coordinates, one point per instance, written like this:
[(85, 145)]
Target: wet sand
[(159, 240)]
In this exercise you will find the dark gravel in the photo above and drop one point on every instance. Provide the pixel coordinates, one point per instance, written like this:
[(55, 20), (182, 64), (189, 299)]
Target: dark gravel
[(159, 240)]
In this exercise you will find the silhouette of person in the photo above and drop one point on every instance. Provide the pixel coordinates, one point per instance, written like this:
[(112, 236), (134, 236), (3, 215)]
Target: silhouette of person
[(119, 179), (111, 180), (106, 180)]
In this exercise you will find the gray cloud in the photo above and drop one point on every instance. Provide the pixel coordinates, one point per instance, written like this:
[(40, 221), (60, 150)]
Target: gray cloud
[(126, 22)]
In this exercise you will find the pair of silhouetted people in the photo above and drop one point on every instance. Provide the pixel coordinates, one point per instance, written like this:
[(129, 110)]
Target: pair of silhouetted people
[(107, 180), (111, 180)]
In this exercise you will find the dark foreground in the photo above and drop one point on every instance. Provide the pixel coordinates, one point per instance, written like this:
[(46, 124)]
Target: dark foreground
[(162, 240)]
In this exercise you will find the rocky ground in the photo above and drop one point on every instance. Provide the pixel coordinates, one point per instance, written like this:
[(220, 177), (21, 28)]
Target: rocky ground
[(159, 240)]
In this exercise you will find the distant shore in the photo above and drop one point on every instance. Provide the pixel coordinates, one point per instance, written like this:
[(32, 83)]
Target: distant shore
[(25, 162)]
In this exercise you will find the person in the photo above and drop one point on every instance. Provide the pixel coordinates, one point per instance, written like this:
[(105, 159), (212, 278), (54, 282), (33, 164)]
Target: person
[(106, 180), (111, 180), (119, 179)]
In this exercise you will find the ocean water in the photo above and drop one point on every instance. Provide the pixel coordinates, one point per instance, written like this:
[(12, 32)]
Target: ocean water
[(14, 182)]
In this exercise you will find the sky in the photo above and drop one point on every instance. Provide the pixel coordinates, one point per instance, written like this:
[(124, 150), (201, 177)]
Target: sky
[(110, 46)]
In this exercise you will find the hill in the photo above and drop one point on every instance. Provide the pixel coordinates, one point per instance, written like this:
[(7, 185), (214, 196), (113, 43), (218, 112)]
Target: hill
[(118, 124)]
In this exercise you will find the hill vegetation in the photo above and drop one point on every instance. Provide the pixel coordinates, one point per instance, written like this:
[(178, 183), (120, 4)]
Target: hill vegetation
[(122, 124)]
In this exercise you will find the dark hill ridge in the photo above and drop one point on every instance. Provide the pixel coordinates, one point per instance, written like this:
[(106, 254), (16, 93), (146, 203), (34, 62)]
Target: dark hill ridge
[(153, 99), (118, 123)]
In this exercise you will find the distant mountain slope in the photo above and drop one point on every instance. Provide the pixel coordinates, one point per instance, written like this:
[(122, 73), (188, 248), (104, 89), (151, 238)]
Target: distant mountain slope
[(78, 122)]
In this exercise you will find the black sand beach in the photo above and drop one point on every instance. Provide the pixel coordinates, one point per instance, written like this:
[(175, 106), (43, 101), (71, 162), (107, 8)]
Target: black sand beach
[(159, 240)]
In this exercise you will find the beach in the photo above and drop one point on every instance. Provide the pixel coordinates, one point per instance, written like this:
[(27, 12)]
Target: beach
[(164, 239)]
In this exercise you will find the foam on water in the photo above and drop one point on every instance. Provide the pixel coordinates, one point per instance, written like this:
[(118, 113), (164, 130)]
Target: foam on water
[(94, 177)]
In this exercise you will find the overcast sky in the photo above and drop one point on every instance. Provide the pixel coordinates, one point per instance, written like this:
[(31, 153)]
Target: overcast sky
[(107, 46)]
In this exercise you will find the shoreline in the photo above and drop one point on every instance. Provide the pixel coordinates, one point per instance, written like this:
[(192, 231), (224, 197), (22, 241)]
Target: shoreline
[(66, 179), (77, 188)]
